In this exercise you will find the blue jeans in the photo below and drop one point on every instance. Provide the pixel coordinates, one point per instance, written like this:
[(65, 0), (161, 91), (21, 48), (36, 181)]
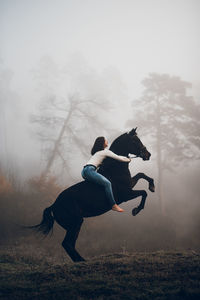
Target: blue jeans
[(89, 173)]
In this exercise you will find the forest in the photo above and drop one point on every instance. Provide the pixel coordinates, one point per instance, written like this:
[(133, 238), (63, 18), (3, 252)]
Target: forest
[(71, 71), (64, 128)]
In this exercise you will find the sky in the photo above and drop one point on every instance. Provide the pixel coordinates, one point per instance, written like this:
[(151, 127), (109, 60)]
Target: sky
[(136, 37)]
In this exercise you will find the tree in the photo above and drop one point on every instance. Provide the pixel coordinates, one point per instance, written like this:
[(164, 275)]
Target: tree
[(9, 109), (170, 118), (74, 109)]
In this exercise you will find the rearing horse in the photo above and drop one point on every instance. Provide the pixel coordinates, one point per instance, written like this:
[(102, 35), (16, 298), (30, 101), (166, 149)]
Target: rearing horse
[(86, 199)]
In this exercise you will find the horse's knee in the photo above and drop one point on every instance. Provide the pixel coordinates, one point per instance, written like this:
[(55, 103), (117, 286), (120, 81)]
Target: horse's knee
[(140, 174)]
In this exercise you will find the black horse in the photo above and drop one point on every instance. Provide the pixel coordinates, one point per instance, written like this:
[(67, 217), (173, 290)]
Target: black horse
[(87, 199)]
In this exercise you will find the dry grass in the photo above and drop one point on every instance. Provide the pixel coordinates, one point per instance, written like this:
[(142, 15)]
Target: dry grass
[(28, 274)]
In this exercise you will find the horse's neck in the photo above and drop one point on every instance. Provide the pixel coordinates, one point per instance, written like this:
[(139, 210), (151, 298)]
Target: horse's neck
[(122, 152), (115, 164), (115, 167), (116, 170)]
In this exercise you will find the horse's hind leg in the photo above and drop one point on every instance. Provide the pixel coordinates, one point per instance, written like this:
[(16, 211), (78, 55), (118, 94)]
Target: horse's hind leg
[(150, 180), (70, 240)]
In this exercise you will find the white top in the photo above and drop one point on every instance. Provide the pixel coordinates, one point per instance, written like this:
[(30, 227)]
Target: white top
[(99, 156)]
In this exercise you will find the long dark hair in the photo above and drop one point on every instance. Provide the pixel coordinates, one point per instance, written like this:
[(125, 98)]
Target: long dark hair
[(98, 145)]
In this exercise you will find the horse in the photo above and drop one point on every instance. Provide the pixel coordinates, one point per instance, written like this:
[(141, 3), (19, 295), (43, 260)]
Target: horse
[(86, 199)]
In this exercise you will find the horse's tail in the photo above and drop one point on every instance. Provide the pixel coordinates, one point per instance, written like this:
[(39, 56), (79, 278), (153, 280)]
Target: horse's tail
[(46, 225)]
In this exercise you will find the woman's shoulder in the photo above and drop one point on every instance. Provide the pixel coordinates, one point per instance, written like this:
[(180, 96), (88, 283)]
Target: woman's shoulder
[(100, 152), (103, 152), (108, 152)]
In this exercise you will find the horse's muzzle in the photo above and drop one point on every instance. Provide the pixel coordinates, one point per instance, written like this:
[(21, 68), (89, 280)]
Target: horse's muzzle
[(146, 155)]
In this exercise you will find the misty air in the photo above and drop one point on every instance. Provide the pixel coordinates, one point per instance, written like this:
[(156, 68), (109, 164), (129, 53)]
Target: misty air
[(100, 149)]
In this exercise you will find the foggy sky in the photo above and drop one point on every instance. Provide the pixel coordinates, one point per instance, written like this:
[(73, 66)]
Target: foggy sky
[(134, 36)]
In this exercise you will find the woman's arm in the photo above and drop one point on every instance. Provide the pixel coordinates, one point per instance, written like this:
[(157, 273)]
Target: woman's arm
[(115, 156)]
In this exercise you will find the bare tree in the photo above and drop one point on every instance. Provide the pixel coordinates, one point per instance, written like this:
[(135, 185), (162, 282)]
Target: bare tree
[(69, 121), (70, 131), (170, 118)]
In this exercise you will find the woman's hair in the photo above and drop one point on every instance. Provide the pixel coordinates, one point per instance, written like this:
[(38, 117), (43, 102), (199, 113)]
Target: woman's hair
[(98, 145)]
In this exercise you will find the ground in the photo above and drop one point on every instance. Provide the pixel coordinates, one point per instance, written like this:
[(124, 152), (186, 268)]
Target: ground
[(142, 275)]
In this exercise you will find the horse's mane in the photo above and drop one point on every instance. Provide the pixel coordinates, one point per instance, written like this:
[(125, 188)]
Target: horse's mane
[(120, 144)]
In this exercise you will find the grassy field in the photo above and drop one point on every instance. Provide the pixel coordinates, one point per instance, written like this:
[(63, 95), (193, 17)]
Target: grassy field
[(154, 275)]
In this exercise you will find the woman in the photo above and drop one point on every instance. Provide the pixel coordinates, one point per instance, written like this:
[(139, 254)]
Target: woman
[(89, 172)]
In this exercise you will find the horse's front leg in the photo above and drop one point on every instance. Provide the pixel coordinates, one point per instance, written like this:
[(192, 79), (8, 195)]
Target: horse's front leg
[(150, 180), (137, 193)]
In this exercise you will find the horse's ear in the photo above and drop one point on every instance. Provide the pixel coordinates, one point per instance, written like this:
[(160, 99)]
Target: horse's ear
[(133, 131)]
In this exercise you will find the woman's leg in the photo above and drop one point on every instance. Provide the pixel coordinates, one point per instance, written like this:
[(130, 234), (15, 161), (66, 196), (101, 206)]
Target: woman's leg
[(89, 173)]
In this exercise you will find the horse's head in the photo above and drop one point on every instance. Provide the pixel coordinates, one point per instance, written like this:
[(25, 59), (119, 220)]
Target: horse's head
[(135, 145), (130, 143)]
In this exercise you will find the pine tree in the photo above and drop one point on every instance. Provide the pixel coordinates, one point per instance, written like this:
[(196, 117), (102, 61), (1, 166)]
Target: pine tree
[(170, 118)]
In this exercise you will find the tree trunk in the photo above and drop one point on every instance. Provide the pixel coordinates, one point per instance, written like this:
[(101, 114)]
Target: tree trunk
[(55, 151), (159, 156)]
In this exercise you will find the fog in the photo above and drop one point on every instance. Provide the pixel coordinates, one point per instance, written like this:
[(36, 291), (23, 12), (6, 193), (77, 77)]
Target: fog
[(85, 63)]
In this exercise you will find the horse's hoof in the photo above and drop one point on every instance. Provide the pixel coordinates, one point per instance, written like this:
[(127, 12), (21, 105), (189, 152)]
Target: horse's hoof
[(152, 187), (135, 211)]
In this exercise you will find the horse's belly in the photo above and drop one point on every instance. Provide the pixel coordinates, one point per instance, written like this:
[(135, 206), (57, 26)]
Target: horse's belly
[(93, 201), (85, 197)]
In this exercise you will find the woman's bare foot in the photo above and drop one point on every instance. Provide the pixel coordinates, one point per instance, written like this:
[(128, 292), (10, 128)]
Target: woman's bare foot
[(115, 207)]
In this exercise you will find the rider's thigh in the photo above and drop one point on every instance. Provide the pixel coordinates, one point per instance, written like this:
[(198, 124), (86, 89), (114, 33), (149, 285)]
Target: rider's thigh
[(100, 179)]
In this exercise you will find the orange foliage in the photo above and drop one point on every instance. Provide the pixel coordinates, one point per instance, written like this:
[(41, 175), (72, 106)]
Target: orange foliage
[(5, 186), (47, 186)]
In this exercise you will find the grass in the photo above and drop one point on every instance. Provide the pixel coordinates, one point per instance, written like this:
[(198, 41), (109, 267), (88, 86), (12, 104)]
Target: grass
[(143, 275)]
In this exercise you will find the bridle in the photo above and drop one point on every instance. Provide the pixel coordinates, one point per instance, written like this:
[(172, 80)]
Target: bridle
[(141, 153)]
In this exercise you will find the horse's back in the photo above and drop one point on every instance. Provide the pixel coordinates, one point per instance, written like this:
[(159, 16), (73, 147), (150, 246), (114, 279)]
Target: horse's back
[(85, 198)]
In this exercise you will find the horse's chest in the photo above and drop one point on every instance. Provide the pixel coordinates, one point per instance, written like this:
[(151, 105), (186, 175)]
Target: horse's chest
[(122, 181), (120, 178)]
